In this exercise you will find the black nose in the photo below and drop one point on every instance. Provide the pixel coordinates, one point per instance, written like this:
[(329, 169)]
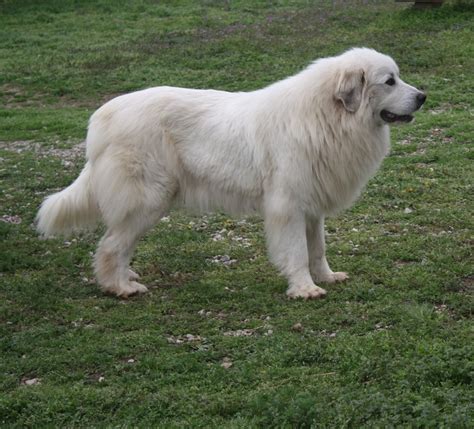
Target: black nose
[(420, 99)]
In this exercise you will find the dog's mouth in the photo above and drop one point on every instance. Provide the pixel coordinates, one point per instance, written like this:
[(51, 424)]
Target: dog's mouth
[(392, 117)]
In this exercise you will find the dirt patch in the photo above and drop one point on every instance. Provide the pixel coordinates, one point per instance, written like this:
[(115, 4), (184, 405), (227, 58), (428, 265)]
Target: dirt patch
[(467, 285), (68, 155), (14, 96), (309, 21)]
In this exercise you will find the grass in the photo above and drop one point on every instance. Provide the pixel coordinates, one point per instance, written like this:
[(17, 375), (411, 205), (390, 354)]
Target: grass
[(217, 345)]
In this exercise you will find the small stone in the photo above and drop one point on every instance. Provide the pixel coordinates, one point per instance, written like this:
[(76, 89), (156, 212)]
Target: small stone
[(174, 340), (217, 237), (32, 381), (11, 219), (223, 259), (226, 363), (408, 210), (239, 333), (297, 327)]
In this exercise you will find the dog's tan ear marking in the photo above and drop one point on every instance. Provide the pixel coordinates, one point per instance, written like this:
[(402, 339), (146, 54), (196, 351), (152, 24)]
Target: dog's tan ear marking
[(350, 90)]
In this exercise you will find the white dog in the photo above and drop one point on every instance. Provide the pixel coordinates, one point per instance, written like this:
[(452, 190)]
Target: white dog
[(296, 151)]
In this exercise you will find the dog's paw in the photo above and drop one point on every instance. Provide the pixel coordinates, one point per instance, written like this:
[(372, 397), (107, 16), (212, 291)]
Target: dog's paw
[(332, 277), (306, 292), (126, 289), (133, 275)]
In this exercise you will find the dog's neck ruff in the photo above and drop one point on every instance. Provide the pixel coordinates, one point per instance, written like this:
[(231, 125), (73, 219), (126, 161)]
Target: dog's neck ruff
[(344, 149)]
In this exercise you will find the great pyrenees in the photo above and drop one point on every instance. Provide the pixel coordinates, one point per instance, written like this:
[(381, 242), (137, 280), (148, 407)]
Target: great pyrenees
[(296, 151)]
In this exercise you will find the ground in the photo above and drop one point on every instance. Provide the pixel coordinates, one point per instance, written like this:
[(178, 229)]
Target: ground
[(216, 343)]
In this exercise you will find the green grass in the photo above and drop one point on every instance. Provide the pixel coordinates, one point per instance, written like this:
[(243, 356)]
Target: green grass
[(392, 347)]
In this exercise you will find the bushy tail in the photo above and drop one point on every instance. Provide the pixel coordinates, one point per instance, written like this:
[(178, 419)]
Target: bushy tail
[(72, 209)]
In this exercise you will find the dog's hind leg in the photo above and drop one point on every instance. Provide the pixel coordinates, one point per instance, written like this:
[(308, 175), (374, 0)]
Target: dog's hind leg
[(115, 250), (318, 263)]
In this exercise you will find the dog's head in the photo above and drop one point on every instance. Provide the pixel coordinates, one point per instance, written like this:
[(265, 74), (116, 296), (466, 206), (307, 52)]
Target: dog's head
[(370, 80)]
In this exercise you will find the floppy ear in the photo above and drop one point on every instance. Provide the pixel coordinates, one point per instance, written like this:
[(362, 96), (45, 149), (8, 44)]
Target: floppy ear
[(350, 89)]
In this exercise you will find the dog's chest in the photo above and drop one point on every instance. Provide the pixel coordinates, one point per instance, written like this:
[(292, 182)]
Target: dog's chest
[(340, 174)]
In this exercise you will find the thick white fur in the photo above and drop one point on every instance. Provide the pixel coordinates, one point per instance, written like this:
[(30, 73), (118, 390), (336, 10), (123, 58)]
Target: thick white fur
[(295, 151)]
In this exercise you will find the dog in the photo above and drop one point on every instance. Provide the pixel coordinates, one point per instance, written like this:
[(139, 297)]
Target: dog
[(296, 151)]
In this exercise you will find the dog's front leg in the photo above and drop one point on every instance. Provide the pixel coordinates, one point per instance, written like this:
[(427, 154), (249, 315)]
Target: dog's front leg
[(318, 263), (286, 237)]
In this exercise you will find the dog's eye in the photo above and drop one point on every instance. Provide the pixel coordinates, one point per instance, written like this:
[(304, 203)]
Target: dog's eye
[(390, 82)]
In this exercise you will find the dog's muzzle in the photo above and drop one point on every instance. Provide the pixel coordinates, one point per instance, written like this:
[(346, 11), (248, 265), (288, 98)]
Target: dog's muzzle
[(391, 117)]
